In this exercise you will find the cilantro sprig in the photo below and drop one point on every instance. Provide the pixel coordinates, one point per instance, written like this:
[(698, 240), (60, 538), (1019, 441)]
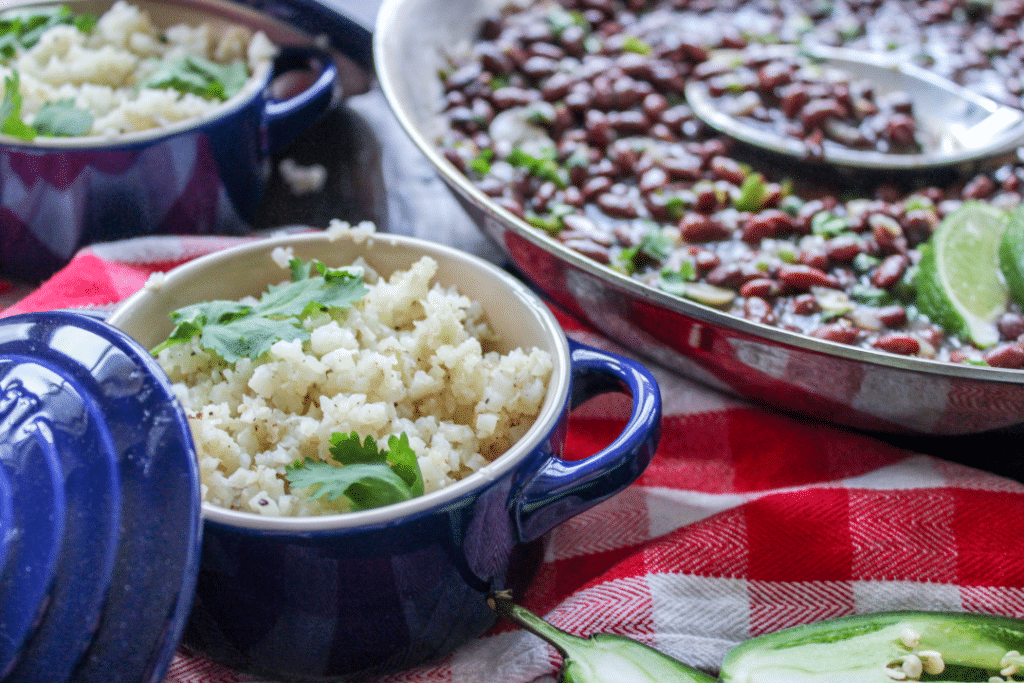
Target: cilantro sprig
[(10, 110), (543, 167), (369, 477), (54, 119), (234, 330), (62, 119), (192, 74), (22, 29), (653, 247)]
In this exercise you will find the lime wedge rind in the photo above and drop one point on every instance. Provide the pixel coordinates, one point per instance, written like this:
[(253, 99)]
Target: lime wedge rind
[(1011, 255), (960, 284)]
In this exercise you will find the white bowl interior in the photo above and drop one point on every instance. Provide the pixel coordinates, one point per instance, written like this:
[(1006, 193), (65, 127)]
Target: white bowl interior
[(518, 317)]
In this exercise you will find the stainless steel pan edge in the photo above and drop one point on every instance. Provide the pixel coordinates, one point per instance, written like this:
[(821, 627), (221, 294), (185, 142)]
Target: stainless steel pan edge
[(818, 379)]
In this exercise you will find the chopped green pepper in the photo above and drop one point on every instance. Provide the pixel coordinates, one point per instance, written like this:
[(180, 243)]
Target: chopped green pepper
[(752, 195), (603, 657)]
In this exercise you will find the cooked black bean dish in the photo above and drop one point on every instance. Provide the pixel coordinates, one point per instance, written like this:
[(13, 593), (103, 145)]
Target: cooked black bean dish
[(571, 115)]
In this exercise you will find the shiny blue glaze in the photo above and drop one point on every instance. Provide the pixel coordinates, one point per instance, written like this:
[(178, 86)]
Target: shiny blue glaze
[(377, 598), (208, 178), (285, 119), (562, 489), (32, 465), (326, 18), (76, 425), (104, 413), (6, 517)]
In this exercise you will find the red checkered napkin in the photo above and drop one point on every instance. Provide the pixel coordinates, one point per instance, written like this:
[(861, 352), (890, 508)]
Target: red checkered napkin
[(746, 522)]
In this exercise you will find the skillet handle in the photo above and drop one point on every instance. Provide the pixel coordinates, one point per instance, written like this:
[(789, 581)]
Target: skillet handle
[(561, 489)]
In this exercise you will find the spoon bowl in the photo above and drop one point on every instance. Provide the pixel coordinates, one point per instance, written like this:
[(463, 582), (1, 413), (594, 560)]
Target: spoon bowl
[(956, 125)]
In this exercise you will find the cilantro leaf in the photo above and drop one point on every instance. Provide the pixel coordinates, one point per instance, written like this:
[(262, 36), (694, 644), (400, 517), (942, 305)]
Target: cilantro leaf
[(62, 119), (85, 23), (674, 281), (249, 336), (367, 476), (23, 28), (191, 74), (10, 110), (182, 332), (330, 289), (871, 295), (234, 330), (560, 19), (544, 167), (403, 462), (54, 119), (301, 270), (481, 163), (365, 485), (348, 450), (653, 247), (828, 224)]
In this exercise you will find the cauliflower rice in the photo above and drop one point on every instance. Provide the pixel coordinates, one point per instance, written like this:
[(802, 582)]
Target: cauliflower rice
[(101, 71), (409, 357)]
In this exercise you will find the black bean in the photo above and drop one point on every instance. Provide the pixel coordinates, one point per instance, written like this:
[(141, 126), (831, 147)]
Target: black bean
[(844, 248), (695, 227), (802, 277), (889, 271), (617, 205), (556, 87), (724, 168), (900, 343), (762, 287), (512, 96), (759, 311), (1011, 325), (837, 332), (770, 223)]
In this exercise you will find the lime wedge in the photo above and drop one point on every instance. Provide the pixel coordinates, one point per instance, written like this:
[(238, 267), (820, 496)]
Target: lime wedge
[(1011, 255), (959, 283)]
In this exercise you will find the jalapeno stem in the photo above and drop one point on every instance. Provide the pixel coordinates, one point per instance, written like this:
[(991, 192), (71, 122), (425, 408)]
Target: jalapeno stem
[(501, 603)]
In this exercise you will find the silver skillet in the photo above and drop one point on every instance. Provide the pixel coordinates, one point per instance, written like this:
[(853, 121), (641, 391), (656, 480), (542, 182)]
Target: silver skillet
[(822, 380)]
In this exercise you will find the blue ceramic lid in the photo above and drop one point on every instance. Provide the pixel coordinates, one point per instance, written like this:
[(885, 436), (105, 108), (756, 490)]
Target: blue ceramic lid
[(36, 535), (100, 522), (97, 427), (6, 517), (92, 489)]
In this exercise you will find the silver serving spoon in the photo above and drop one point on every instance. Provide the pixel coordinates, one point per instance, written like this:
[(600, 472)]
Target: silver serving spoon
[(957, 125)]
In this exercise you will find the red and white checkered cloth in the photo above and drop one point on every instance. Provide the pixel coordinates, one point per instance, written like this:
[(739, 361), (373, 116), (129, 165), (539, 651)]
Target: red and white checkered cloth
[(746, 521)]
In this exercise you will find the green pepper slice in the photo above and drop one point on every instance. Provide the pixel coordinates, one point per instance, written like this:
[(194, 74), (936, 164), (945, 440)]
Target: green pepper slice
[(884, 647), (603, 657), (943, 647)]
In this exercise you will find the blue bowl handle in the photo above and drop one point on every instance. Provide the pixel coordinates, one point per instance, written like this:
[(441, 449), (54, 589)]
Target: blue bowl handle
[(287, 118), (561, 489)]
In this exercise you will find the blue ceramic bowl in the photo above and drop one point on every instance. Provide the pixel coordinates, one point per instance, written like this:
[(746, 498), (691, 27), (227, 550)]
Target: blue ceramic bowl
[(364, 593), (206, 175)]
